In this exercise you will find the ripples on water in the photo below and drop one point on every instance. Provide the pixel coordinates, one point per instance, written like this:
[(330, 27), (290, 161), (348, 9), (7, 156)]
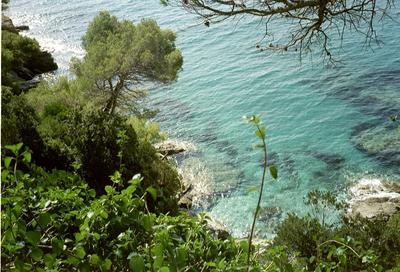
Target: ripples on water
[(312, 111)]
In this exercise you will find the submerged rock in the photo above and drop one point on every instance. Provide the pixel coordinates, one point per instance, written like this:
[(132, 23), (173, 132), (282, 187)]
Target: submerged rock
[(382, 143), (267, 213), (371, 198), (333, 161)]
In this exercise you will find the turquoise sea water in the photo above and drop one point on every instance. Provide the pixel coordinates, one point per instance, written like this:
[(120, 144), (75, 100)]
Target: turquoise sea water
[(311, 110)]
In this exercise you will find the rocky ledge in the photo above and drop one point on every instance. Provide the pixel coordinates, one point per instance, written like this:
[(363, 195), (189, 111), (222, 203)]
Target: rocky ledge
[(8, 25), (372, 198), (172, 147)]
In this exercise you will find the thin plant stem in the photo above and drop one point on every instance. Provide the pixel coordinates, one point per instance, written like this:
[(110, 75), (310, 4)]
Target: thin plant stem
[(259, 198)]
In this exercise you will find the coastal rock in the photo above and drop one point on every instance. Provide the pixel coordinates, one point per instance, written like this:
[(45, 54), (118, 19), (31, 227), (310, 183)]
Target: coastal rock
[(22, 28), (207, 180), (217, 228), (196, 179), (371, 198), (7, 24), (173, 147), (185, 201)]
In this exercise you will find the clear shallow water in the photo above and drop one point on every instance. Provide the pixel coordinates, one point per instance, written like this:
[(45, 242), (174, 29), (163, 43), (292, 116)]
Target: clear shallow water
[(310, 110)]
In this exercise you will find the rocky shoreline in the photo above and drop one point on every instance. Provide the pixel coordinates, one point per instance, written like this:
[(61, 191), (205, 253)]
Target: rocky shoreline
[(373, 198)]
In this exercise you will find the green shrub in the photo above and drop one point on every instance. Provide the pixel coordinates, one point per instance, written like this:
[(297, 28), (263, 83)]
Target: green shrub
[(147, 131), (62, 91), (54, 222), (101, 144), (380, 235), (24, 56), (302, 235)]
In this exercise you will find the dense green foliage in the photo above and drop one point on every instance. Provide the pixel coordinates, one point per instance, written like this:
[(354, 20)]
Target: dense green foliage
[(22, 59), (54, 221)]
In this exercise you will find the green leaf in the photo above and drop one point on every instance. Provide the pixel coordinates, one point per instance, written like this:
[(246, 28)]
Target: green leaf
[(153, 192), (261, 146), (4, 175), (79, 236), (104, 214), (7, 161), (73, 260), (49, 259), (36, 254), (58, 245), (92, 193), (136, 263), (244, 245), (181, 256), (44, 219), (14, 148), (106, 264), (27, 157), (33, 237), (18, 146), (109, 190), (260, 133), (116, 177), (273, 171), (221, 264), (94, 259), (164, 269), (147, 222), (80, 252), (252, 189)]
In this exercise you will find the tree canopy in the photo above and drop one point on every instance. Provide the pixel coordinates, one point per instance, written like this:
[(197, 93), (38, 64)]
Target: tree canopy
[(121, 57), (311, 22)]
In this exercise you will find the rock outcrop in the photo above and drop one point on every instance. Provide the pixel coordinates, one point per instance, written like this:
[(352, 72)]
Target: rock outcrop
[(7, 24), (173, 147), (371, 198), (217, 229)]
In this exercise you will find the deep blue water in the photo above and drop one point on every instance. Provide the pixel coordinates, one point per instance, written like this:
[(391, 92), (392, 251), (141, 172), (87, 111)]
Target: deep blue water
[(310, 109)]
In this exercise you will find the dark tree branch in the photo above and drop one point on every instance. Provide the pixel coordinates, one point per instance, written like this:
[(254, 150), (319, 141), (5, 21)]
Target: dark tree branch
[(312, 22)]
